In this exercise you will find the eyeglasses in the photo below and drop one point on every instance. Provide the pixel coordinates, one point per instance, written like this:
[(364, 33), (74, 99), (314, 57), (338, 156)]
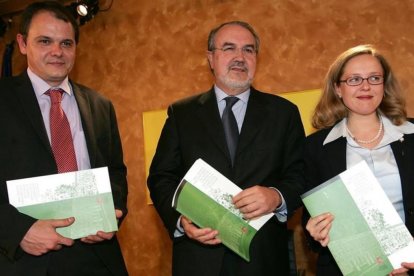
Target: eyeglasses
[(358, 80), (247, 51)]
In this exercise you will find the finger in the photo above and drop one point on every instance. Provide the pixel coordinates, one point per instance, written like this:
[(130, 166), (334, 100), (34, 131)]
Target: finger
[(245, 194), (186, 220), (187, 226), (322, 235), (105, 235), (407, 265), (118, 213), (213, 241), (65, 241), (327, 217), (243, 198), (201, 234), (254, 213), (92, 239), (398, 271), (319, 222), (58, 247), (209, 237), (325, 241)]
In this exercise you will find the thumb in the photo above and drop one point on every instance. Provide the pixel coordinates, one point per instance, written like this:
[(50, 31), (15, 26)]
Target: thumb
[(62, 222), (56, 223), (118, 213)]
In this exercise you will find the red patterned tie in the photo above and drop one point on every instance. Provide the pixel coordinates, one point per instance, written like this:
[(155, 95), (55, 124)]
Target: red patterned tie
[(62, 143)]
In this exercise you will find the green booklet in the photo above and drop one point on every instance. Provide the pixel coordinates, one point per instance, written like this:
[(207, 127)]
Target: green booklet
[(367, 236), (205, 197), (85, 195)]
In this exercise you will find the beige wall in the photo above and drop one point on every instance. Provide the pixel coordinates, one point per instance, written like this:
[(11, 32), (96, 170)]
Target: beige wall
[(146, 54)]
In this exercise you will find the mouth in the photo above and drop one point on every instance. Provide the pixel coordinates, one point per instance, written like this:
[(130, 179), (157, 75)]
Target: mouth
[(238, 68), (365, 97), (57, 63)]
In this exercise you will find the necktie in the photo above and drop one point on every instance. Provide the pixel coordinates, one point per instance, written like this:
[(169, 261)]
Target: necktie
[(62, 143), (231, 129)]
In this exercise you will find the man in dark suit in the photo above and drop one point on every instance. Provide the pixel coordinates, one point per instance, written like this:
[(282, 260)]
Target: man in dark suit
[(48, 37), (266, 163)]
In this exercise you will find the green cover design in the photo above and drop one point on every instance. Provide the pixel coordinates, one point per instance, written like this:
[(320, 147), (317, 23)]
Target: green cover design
[(234, 232), (90, 212), (352, 243)]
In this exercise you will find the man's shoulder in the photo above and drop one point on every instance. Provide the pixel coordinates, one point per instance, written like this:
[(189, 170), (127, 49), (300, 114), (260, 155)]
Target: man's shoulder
[(12, 80), (88, 92), (270, 98), (199, 97)]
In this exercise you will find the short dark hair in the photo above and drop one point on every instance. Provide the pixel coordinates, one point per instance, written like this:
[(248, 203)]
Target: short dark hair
[(212, 36), (54, 7)]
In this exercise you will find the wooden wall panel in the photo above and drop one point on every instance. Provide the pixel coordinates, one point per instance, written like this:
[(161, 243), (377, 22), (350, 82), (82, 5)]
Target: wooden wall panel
[(146, 54)]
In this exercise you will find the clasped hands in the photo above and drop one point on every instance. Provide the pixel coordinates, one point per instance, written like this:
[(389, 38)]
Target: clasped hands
[(252, 202), (319, 226), (42, 236)]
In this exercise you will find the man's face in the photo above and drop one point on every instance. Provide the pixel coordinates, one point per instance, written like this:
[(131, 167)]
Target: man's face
[(50, 47), (233, 62)]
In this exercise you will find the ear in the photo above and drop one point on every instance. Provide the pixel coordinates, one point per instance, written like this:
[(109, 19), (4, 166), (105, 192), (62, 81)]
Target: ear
[(22, 43), (210, 59), (338, 91)]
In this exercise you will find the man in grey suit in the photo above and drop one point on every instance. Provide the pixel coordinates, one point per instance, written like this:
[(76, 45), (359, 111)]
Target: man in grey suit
[(265, 160), (48, 37)]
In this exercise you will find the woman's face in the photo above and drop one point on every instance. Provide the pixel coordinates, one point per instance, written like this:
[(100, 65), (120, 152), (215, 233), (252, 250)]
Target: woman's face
[(364, 98)]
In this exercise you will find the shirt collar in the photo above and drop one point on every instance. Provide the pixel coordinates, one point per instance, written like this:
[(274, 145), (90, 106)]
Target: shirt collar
[(220, 95), (391, 132), (40, 86)]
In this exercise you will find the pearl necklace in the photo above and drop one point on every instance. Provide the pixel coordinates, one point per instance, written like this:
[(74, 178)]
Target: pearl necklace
[(366, 141)]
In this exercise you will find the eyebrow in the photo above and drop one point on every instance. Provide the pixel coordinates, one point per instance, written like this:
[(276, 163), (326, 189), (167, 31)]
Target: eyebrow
[(50, 38), (234, 44)]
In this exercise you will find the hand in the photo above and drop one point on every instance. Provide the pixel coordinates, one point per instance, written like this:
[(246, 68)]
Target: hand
[(257, 201), (42, 236), (203, 235), (100, 235), (402, 270), (319, 226)]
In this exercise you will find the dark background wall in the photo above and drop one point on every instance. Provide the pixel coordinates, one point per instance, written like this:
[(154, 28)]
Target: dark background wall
[(146, 54)]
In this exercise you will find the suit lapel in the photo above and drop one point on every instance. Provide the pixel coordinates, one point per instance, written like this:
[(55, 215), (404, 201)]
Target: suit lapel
[(336, 151), (27, 97), (87, 123), (404, 162), (253, 120), (209, 116)]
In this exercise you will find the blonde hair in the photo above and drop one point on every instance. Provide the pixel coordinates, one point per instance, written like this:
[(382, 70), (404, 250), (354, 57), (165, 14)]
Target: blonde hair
[(331, 109)]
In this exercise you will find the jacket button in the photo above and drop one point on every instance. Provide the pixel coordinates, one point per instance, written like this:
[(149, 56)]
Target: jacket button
[(410, 212)]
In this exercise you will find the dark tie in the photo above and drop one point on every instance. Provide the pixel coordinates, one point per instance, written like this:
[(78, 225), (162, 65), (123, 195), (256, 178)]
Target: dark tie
[(61, 137), (231, 130)]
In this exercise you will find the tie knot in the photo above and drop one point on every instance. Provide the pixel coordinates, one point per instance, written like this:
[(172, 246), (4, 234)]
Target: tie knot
[(230, 101), (55, 95)]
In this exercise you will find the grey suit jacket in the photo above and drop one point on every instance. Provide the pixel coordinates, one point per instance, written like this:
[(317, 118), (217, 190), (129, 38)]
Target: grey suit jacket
[(25, 151)]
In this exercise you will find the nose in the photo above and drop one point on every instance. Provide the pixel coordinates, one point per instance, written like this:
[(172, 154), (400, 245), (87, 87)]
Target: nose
[(365, 84), (56, 49), (239, 53)]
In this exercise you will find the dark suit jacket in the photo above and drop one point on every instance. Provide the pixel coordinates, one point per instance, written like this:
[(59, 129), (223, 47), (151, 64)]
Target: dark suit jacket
[(269, 153), (25, 151), (325, 162)]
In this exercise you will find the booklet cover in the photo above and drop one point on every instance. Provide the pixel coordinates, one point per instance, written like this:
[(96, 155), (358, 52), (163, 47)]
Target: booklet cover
[(367, 236), (85, 195), (205, 197)]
